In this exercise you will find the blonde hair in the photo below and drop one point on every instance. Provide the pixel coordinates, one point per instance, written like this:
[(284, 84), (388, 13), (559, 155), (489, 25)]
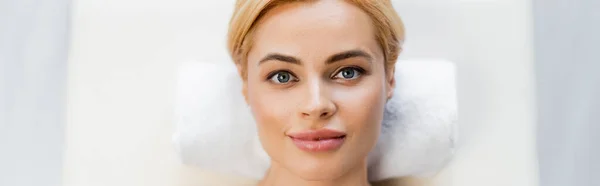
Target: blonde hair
[(388, 26)]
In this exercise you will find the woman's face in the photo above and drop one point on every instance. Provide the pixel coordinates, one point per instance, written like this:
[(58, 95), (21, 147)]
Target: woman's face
[(317, 87)]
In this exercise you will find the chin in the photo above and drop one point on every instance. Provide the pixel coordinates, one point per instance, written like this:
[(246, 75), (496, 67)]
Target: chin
[(319, 168), (323, 174)]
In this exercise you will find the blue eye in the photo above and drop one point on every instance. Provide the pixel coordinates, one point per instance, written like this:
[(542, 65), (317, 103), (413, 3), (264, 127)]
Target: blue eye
[(282, 77), (348, 73)]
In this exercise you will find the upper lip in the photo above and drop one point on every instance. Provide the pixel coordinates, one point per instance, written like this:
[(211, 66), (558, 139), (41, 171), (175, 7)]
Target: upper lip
[(317, 134)]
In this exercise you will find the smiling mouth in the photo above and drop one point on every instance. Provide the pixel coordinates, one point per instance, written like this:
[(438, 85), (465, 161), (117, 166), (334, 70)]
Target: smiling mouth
[(318, 140)]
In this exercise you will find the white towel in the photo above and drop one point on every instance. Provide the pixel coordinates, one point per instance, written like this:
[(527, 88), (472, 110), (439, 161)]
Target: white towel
[(215, 130)]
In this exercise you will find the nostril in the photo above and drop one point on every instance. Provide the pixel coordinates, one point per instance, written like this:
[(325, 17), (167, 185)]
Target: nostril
[(324, 114)]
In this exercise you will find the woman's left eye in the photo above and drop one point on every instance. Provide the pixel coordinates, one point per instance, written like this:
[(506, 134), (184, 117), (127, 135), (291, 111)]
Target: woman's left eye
[(348, 73)]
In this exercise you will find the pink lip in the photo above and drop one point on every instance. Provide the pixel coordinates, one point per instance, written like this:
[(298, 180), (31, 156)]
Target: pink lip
[(318, 140)]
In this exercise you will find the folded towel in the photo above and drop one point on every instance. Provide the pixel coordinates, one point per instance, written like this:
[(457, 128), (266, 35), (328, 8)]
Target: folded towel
[(216, 131)]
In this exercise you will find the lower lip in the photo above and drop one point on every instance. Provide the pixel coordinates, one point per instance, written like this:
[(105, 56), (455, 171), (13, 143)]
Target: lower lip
[(320, 145)]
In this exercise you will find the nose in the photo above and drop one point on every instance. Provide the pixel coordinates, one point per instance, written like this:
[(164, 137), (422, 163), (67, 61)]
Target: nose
[(318, 104)]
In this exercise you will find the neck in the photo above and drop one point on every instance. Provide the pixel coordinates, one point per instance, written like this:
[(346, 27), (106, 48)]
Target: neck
[(279, 175)]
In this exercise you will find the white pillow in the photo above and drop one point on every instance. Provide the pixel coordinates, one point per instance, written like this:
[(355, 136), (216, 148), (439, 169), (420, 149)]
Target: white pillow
[(216, 131)]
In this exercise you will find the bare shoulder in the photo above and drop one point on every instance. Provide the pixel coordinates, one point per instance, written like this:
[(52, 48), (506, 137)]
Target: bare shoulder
[(404, 182)]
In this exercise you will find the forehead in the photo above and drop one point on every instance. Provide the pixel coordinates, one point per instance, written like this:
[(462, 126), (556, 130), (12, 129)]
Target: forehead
[(314, 29)]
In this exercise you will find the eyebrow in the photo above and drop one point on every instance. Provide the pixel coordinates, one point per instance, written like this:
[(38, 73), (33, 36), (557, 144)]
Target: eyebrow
[(349, 54), (280, 57), (334, 58)]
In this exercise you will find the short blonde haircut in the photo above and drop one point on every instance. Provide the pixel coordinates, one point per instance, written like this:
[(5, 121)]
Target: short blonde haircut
[(388, 26)]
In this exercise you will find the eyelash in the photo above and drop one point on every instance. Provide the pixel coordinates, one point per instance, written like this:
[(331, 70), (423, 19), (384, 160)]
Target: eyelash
[(273, 74), (293, 77), (360, 71)]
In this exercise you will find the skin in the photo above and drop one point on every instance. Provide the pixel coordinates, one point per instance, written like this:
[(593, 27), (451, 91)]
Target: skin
[(317, 65)]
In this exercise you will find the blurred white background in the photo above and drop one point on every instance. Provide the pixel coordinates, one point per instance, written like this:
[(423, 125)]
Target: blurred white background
[(33, 75), (104, 116), (567, 44)]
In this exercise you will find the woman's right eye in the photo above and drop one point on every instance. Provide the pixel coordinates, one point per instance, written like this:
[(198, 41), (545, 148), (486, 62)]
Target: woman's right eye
[(282, 77)]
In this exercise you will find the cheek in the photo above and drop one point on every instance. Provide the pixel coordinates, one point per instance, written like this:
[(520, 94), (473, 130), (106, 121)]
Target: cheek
[(269, 105), (272, 113), (361, 109)]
